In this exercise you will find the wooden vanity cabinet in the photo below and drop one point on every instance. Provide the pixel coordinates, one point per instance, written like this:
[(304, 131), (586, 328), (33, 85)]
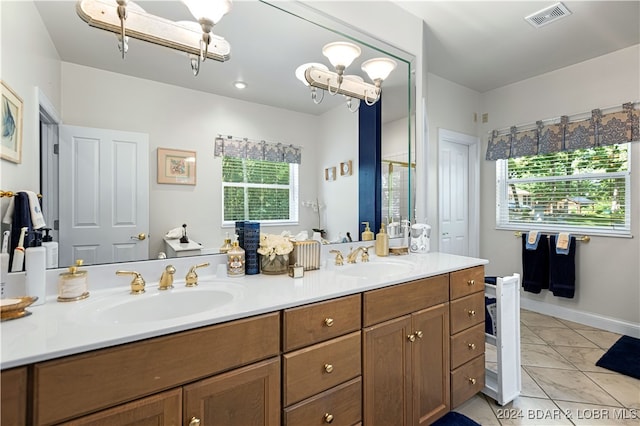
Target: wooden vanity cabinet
[(406, 358), (78, 385), (13, 396), (467, 334), (322, 381)]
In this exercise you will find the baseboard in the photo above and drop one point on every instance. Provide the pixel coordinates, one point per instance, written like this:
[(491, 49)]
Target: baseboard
[(593, 320)]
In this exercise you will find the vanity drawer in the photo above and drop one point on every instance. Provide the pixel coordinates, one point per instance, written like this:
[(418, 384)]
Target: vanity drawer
[(79, 384), (317, 368), (467, 345), (318, 322), (467, 381), (392, 302), (466, 281), (467, 312), (13, 396), (340, 405)]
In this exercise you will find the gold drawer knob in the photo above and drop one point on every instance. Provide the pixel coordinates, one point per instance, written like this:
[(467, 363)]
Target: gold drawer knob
[(194, 421), (411, 337), (419, 334), (471, 313), (328, 418), (472, 346), (472, 380), (328, 368), (328, 322), (471, 282)]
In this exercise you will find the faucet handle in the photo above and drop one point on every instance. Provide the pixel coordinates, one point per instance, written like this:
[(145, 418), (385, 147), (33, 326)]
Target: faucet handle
[(339, 257), (137, 284), (364, 257), (192, 278)]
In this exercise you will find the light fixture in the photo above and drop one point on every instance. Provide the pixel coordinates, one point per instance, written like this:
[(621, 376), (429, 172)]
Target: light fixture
[(300, 71), (341, 55), (126, 19), (207, 13), (239, 85)]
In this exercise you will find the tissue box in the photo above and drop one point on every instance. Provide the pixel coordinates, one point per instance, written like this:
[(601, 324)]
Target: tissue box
[(306, 254)]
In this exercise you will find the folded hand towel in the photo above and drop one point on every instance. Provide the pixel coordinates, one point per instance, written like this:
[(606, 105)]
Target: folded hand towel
[(562, 269), (532, 240), (174, 233), (37, 219), (562, 243)]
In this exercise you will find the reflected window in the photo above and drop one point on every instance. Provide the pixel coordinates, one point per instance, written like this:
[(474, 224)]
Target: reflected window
[(259, 190)]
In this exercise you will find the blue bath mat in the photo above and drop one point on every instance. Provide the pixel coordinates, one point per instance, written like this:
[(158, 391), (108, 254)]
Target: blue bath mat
[(623, 357), (454, 419)]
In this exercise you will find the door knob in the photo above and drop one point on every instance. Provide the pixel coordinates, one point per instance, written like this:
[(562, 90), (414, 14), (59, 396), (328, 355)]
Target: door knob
[(194, 421), (472, 346), (141, 237), (328, 418), (328, 368), (328, 322), (471, 313), (411, 337), (472, 380), (419, 334)]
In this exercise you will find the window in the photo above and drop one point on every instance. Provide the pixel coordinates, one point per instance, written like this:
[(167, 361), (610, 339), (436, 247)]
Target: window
[(582, 191), (259, 190)]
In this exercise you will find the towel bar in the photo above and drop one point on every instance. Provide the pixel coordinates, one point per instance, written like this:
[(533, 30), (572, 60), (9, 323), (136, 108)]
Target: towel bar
[(582, 238), (12, 194)]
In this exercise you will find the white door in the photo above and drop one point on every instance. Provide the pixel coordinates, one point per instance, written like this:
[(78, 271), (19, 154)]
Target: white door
[(457, 175), (104, 195)]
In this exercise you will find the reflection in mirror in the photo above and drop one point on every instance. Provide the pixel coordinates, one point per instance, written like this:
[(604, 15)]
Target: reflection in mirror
[(154, 94)]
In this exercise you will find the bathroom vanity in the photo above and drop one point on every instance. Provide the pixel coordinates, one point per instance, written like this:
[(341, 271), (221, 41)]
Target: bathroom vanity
[(337, 346)]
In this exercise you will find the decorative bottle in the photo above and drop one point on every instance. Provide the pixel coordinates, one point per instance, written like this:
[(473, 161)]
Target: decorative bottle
[(235, 260)]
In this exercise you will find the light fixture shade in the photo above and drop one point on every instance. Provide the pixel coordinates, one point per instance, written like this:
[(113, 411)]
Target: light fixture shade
[(211, 10), (302, 68), (378, 68), (341, 53)]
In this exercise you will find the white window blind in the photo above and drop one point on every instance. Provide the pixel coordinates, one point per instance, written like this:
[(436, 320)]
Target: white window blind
[(259, 190), (581, 191)]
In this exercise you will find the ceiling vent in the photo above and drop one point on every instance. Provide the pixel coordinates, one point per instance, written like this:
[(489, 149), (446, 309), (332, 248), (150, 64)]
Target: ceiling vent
[(548, 15)]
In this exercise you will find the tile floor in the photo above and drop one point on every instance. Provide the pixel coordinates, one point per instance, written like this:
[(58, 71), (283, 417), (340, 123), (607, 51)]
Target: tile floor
[(561, 384)]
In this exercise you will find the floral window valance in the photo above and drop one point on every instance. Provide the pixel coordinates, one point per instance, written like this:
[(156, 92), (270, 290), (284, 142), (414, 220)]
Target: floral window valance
[(601, 129), (257, 150)]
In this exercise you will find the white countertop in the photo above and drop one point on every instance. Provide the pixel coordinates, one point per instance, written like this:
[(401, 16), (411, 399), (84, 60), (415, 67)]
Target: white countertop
[(57, 329)]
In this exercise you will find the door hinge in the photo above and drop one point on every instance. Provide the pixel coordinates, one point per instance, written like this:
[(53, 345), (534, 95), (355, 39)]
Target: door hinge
[(56, 148), (56, 225)]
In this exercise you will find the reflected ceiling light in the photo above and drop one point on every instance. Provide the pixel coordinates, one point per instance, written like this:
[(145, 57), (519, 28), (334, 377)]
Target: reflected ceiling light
[(239, 84), (341, 55), (128, 20)]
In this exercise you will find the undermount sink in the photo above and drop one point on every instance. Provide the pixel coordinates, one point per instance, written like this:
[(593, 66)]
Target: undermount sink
[(155, 305), (375, 269)]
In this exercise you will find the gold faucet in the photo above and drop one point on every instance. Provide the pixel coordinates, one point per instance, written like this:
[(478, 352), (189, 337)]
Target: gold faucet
[(353, 255), (166, 279), (339, 257), (192, 278), (137, 284)]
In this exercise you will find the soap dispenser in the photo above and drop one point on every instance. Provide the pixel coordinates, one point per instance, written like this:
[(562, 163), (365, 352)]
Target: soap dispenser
[(382, 242), (35, 258), (51, 248), (235, 260), (227, 244), (367, 235)]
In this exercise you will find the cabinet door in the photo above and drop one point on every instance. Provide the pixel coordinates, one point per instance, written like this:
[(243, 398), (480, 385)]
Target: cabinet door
[(13, 392), (161, 409), (387, 373), (245, 396), (430, 364)]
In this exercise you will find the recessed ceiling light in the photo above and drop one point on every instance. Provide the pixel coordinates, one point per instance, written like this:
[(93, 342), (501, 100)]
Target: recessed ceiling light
[(240, 84)]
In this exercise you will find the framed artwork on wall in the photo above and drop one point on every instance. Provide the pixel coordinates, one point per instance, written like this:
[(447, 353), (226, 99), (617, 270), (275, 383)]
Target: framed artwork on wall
[(11, 146), (330, 174), (176, 166)]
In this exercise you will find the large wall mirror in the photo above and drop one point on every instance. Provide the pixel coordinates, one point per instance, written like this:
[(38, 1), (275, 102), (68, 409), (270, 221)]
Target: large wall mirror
[(153, 92)]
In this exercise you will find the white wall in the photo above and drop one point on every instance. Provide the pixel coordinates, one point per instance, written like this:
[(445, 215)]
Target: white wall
[(179, 118), (607, 271), (26, 63), (338, 131)]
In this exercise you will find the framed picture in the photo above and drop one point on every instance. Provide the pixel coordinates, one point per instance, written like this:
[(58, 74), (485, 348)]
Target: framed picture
[(176, 166), (330, 173), (345, 168), (11, 147)]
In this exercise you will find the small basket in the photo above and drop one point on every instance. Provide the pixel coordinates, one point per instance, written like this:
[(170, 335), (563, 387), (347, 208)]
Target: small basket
[(306, 254)]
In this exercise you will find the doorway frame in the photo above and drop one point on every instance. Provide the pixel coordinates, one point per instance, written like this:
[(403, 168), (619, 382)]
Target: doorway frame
[(473, 143)]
